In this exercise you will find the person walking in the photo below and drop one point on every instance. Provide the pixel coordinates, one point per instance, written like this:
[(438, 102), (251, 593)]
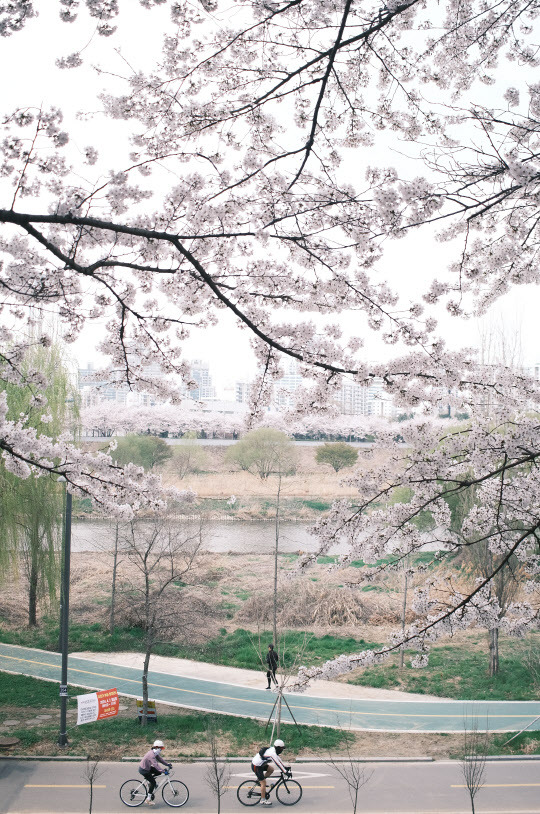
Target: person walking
[(272, 660)]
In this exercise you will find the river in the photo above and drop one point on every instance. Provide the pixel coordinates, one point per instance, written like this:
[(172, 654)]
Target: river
[(239, 537)]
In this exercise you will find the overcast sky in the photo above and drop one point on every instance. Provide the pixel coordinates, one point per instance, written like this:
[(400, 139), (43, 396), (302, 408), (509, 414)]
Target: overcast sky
[(408, 264)]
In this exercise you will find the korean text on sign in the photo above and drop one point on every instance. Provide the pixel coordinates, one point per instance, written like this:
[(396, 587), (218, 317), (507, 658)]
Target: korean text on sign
[(95, 706)]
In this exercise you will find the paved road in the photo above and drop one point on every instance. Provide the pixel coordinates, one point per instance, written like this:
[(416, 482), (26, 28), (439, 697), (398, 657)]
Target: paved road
[(203, 694), (35, 787)]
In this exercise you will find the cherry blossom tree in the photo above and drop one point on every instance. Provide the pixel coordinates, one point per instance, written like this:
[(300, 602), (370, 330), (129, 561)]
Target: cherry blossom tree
[(236, 193)]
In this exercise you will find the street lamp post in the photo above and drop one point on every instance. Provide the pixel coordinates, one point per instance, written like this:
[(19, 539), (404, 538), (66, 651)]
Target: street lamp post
[(64, 616)]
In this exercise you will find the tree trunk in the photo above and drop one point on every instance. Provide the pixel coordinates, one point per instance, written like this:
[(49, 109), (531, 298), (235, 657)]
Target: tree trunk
[(278, 716), (113, 586), (403, 616), (144, 716), (33, 578), (494, 651)]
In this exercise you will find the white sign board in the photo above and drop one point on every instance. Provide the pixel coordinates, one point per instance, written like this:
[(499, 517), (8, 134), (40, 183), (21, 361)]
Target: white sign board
[(94, 706)]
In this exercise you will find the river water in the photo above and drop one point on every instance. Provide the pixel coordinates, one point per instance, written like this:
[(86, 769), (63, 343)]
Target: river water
[(240, 537)]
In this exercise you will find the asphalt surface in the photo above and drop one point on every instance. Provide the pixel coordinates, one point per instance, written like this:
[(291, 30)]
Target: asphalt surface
[(36, 787), (203, 694)]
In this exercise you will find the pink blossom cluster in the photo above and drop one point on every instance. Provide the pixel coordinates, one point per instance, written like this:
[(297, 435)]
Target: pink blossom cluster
[(235, 193)]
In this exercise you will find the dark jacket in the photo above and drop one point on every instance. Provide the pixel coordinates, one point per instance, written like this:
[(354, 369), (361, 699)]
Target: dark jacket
[(272, 659)]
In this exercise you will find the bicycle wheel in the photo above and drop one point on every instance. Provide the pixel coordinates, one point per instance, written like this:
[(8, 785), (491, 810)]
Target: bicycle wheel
[(289, 792), (133, 793), (249, 793), (175, 793)]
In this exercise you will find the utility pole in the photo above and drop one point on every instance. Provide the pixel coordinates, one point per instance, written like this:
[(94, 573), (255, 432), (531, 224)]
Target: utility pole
[(64, 617), (404, 611)]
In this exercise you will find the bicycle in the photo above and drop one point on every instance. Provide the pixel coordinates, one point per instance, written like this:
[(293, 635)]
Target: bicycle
[(288, 791), (175, 793)]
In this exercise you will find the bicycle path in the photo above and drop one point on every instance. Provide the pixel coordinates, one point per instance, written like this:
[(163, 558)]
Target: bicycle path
[(380, 715)]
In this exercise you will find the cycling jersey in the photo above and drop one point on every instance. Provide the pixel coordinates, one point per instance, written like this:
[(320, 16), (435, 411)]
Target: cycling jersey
[(267, 755)]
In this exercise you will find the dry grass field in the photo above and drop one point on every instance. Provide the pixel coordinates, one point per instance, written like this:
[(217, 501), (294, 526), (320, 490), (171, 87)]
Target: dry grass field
[(239, 587), (311, 480)]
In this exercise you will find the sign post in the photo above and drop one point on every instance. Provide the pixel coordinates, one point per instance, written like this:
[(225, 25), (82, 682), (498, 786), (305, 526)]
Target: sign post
[(151, 714), (64, 617)]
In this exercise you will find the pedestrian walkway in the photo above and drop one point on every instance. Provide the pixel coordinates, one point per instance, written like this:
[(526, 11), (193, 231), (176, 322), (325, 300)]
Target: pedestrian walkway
[(202, 691)]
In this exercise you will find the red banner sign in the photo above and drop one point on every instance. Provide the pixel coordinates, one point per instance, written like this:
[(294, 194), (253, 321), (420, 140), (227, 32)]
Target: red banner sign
[(95, 706)]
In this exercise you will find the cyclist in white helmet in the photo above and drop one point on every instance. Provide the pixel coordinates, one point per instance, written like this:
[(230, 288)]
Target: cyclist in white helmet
[(150, 769), (263, 768)]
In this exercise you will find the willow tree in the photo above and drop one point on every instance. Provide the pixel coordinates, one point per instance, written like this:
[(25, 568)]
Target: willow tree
[(31, 509)]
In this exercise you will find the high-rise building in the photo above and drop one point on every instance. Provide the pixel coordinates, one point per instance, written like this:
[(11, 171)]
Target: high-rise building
[(200, 373), (365, 399), (242, 392), (96, 386), (286, 387), (353, 398)]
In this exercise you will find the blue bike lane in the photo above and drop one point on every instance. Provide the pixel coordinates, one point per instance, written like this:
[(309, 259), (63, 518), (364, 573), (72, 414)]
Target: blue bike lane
[(203, 694)]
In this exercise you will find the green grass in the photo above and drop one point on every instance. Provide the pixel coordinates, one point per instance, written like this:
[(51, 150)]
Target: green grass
[(242, 593), (290, 508), (190, 729), (460, 672), (424, 557), (330, 559), (16, 690), (317, 505), (527, 742), (186, 731), (236, 649), (229, 608), (239, 648)]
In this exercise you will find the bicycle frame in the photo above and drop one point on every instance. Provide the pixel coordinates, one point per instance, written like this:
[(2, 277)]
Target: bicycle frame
[(160, 781), (282, 780), (249, 792)]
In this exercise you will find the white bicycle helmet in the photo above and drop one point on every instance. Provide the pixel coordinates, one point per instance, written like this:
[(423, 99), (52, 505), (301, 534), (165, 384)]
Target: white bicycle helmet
[(279, 742), (158, 743)]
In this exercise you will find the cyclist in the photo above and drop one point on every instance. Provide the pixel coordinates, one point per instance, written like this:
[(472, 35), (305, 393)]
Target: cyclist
[(261, 765), (150, 769)]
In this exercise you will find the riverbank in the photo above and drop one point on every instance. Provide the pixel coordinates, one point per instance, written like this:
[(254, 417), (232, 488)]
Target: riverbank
[(321, 614), (218, 480)]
